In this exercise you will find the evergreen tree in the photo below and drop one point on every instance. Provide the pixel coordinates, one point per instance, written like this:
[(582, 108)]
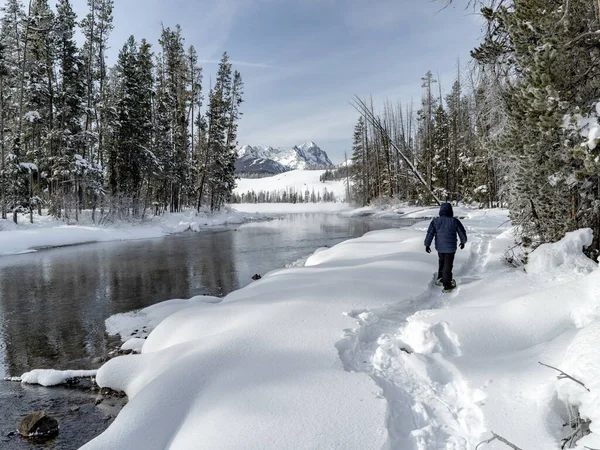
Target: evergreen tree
[(65, 115), (358, 172), (70, 101), (442, 161), (549, 52)]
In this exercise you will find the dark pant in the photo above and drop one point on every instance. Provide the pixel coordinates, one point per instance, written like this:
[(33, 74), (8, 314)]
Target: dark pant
[(445, 269)]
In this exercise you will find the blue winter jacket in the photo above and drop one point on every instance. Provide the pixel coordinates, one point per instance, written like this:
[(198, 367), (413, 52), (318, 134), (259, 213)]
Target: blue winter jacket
[(444, 229)]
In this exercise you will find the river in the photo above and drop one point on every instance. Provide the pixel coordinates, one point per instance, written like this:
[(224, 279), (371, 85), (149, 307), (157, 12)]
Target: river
[(53, 303)]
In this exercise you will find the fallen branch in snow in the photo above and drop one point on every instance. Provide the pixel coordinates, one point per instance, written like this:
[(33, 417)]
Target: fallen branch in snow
[(581, 427), (564, 375), (496, 437)]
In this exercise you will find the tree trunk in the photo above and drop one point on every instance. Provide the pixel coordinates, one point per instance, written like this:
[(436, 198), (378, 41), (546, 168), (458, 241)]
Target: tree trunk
[(2, 179), (90, 81)]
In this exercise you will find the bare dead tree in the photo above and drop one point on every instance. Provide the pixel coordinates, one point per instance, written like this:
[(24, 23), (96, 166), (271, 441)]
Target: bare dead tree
[(375, 121)]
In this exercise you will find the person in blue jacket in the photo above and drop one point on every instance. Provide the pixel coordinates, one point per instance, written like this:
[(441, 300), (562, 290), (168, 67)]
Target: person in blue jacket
[(445, 229)]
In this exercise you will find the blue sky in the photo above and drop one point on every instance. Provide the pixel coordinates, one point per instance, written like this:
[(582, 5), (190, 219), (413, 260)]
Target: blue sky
[(303, 60)]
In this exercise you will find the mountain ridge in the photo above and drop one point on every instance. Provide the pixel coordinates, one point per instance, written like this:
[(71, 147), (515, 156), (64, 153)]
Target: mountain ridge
[(274, 160)]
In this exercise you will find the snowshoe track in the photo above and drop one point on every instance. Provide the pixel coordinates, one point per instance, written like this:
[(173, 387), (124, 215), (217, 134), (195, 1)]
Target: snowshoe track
[(430, 405)]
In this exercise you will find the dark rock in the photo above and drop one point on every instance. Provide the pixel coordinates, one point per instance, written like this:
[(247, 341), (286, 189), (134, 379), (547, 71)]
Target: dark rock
[(38, 425), (98, 400), (99, 359), (10, 434), (125, 352), (108, 392), (256, 277)]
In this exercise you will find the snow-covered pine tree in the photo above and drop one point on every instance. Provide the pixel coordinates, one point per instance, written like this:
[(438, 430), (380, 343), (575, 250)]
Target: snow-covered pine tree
[(13, 24), (38, 127), (103, 28), (218, 122), (441, 162), (233, 115), (149, 161), (195, 105), (427, 153), (358, 171), (131, 134), (176, 100), (548, 53), (70, 109), (4, 94)]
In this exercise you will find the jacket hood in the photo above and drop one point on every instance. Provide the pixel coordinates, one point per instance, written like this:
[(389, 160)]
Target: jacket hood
[(446, 210)]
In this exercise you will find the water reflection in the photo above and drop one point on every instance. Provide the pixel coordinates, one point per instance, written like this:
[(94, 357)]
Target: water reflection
[(53, 303)]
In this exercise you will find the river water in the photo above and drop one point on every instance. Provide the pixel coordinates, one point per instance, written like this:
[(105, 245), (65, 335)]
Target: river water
[(53, 303)]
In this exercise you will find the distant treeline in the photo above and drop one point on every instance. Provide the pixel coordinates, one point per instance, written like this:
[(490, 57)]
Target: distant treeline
[(337, 174), (289, 195)]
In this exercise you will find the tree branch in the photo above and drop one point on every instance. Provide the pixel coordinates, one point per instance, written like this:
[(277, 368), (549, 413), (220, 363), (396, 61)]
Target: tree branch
[(496, 437), (583, 36), (564, 375)]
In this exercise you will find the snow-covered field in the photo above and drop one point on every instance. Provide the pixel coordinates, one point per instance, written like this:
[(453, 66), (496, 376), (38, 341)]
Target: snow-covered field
[(291, 208), (359, 350), (47, 232), (298, 180)]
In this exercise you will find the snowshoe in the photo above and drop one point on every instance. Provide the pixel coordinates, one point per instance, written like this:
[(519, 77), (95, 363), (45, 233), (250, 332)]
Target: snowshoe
[(446, 291), (438, 282)]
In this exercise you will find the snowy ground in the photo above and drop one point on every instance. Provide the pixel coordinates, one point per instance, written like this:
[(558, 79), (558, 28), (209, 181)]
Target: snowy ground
[(402, 211), (299, 180), (291, 208), (47, 232), (423, 370)]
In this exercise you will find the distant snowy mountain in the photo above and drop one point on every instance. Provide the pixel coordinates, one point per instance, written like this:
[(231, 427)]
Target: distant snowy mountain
[(270, 160)]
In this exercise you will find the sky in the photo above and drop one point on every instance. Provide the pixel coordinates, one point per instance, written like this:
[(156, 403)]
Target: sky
[(302, 61)]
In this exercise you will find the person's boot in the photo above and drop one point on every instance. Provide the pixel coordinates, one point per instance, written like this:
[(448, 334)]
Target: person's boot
[(451, 288)]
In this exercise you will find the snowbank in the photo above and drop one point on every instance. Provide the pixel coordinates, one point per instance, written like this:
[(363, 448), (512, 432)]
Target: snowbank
[(51, 377), (143, 321), (564, 256), (404, 211), (47, 232)]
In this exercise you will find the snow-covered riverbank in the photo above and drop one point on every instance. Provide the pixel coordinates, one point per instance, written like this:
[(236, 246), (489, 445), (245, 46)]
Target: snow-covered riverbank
[(47, 232), (272, 367)]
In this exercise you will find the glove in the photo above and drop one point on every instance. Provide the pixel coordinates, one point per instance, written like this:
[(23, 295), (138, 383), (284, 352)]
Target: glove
[(428, 249), (462, 246)]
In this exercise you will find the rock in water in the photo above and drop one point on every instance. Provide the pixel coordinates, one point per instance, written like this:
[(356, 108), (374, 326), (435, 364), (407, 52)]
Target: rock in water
[(256, 277), (38, 425)]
